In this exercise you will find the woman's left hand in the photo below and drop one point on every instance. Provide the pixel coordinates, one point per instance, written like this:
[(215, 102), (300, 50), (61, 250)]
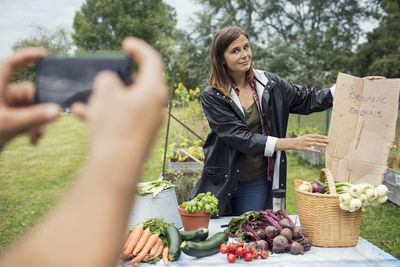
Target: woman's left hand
[(375, 78)]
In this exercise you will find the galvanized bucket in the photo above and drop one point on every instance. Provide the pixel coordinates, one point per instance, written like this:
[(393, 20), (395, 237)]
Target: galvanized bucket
[(164, 205)]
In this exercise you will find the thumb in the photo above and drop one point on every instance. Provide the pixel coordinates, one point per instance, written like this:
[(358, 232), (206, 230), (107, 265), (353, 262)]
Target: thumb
[(21, 119)]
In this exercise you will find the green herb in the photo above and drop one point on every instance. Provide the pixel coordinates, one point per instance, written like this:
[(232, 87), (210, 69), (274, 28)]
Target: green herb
[(153, 187), (203, 201), (157, 226)]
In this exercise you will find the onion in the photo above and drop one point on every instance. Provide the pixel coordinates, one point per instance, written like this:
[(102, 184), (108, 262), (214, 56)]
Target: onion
[(317, 188)]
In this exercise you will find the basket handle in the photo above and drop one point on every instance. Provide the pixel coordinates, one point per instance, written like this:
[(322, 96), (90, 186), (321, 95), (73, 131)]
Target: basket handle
[(326, 175)]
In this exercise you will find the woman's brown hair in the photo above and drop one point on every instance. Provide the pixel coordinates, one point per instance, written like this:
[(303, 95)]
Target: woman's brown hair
[(219, 74)]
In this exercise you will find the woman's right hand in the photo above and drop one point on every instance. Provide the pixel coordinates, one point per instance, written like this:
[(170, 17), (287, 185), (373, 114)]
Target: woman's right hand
[(304, 142)]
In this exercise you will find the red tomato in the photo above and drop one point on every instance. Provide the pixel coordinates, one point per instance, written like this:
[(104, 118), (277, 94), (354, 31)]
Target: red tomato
[(239, 244), (248, 256), (223, 248), (246, 249), (254, 251), (239, 251), (231, 247), (263, 254), (231, 257)]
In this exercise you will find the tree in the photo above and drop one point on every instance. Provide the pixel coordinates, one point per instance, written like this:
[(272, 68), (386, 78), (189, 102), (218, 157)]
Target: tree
[(318, 35), (380, 55), (57, 41), (103, 24)]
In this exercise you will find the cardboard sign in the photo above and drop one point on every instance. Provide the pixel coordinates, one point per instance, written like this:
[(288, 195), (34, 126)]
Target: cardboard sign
[(362, 128)]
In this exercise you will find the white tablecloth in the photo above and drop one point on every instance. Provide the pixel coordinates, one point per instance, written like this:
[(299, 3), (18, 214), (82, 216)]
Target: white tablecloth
[(364, 254)]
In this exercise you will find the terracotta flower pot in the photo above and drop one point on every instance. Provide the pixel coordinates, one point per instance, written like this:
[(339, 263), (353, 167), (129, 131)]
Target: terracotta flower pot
[(193, 220)]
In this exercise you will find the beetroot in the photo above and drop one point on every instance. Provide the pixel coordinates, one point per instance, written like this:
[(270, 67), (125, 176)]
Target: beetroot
[(271, 231), (279, 244), (285, 223), (298, 232), (296, 248), (286, 232), (252, 244), (262, 244), (261, 233), (306, 243), (317, 188)]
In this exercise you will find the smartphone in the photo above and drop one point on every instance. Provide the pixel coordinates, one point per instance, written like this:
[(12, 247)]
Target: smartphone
[(65, 80)]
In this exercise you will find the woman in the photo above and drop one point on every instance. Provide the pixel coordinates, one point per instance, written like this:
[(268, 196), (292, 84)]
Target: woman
[(248, 112)]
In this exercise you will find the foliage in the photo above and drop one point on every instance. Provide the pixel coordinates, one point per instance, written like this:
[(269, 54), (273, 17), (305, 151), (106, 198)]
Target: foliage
[(394, 156), (153, 187), (203, 201), (175, 153), (306, 42), (183, 182), (103, 24), (294, 131), (182, 96), (380, 55), (57, 41)]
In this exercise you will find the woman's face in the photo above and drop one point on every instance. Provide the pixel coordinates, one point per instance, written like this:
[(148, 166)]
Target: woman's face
[(238, 55)]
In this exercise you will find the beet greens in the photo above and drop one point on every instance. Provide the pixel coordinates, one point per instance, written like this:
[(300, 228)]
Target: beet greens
[(245, 226), (269, 230)]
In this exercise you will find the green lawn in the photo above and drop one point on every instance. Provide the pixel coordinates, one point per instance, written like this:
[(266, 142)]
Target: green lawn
[(32, 179)]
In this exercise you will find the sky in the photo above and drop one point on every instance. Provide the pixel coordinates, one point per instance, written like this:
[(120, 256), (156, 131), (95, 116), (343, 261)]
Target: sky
[(18, 17)]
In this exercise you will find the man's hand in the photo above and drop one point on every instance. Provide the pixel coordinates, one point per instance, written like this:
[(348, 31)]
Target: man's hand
[(127, 117), (18, 113)]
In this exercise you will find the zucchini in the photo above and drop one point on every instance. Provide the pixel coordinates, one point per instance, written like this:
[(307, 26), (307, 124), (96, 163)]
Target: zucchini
[(204, 248), (174, 241), (197, 235)]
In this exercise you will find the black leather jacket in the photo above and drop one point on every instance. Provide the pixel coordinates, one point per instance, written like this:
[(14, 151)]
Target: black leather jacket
[(230, 138)]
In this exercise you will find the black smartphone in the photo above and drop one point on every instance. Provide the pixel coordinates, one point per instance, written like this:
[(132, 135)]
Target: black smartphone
[(65, 80)]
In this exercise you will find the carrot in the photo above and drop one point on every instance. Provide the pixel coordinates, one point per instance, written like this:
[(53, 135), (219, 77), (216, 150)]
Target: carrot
[(133, 239), (155, 247), (165, 256), (142, 241), (125, 238), (146, 258), (158, 252), (149, 244)]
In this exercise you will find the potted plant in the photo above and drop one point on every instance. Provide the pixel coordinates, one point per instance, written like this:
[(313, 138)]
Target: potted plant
[(197, 212)]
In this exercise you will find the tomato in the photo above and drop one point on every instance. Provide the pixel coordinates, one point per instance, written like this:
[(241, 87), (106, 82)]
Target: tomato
[(223, 248), (263, 254), (239, 244), (254, 251), (239, 251), (246, 249), (231, 247), (231, 257), (248, 256)]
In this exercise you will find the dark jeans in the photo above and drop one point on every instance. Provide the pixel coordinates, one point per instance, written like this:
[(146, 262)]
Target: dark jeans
[(250, 196)]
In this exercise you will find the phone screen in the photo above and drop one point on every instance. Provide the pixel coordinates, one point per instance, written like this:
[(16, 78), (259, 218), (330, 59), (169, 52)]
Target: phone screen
[(70, 79)]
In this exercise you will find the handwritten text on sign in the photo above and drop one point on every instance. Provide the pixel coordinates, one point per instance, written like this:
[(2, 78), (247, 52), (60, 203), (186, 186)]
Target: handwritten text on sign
[(371, 101)]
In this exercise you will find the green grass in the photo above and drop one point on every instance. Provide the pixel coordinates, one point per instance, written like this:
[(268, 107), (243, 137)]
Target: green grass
[(32, 179)]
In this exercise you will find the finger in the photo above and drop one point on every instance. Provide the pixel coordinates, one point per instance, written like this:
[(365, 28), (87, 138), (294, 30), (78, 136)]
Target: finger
[(17, 60), (80, 110), (319, 144), (317, 136), (312, 150), (22, 93), (150, 67), (21, 119), (35, 134), (106, 83), (375, 77)]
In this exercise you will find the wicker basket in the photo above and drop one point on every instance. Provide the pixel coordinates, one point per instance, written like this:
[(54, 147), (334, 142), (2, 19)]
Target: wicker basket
[(321, 217)]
